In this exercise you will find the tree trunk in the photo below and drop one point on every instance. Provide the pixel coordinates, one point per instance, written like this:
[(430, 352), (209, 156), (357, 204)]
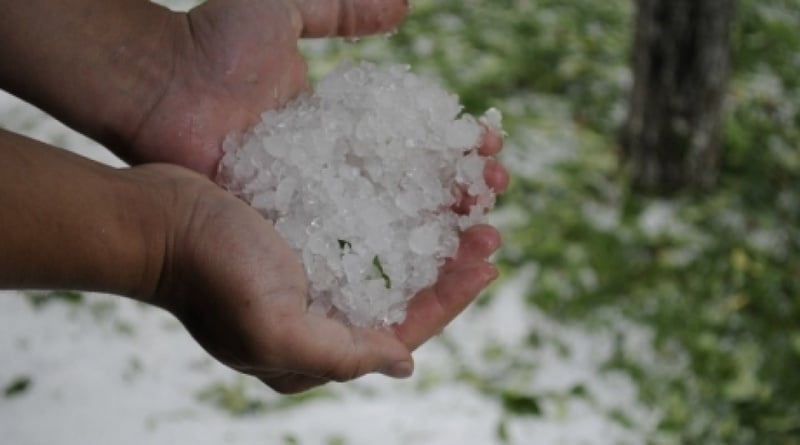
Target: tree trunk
[(681, 61)]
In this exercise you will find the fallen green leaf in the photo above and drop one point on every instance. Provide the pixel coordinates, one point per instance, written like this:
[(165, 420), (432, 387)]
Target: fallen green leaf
[(377, 263), (17, 386)]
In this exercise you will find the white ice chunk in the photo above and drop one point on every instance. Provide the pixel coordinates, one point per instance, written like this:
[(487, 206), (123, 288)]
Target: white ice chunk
[(493, 119), (424, 240)]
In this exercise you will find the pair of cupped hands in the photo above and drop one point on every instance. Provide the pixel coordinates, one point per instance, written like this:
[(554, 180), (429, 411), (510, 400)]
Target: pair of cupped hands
[(230, 277)]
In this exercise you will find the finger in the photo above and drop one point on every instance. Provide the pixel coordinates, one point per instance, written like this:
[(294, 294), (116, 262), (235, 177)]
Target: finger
[(350, 18), (327, 349), (432, 309), (496, 176), (475, 244), (492, 142)]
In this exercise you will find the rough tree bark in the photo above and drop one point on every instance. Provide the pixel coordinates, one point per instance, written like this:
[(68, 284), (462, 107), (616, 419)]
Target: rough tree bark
[(681, 60)]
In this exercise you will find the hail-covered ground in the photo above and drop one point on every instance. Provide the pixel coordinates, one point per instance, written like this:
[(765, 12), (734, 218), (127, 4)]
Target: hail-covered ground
[(96, 369)]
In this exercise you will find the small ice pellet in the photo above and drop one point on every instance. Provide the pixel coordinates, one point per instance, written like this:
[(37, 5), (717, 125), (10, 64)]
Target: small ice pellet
[(493, 119), (360, 178), (424, 240)]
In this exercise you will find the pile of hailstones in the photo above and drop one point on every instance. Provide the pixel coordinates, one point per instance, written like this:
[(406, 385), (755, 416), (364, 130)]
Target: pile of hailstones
[(360, 178)]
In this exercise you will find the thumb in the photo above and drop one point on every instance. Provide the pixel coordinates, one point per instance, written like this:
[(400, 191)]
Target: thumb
[(350, 18), (325, 348)]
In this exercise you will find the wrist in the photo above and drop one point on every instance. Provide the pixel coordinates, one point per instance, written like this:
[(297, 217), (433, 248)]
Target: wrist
[(167, 203), (148, 214), (163, 198)]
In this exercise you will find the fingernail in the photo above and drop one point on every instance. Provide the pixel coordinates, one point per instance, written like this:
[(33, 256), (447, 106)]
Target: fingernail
[(399, 370)]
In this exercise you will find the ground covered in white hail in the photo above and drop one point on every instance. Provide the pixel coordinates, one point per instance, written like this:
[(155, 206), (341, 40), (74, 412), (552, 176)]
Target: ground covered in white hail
[(96, 369), (360, 177)]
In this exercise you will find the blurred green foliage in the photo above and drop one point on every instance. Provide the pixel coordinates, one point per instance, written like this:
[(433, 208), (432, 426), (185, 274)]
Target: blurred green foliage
[(717, 274)]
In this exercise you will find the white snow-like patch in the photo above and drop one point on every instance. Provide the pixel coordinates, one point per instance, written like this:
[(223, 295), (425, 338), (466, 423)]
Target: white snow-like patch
[(110, 370)]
